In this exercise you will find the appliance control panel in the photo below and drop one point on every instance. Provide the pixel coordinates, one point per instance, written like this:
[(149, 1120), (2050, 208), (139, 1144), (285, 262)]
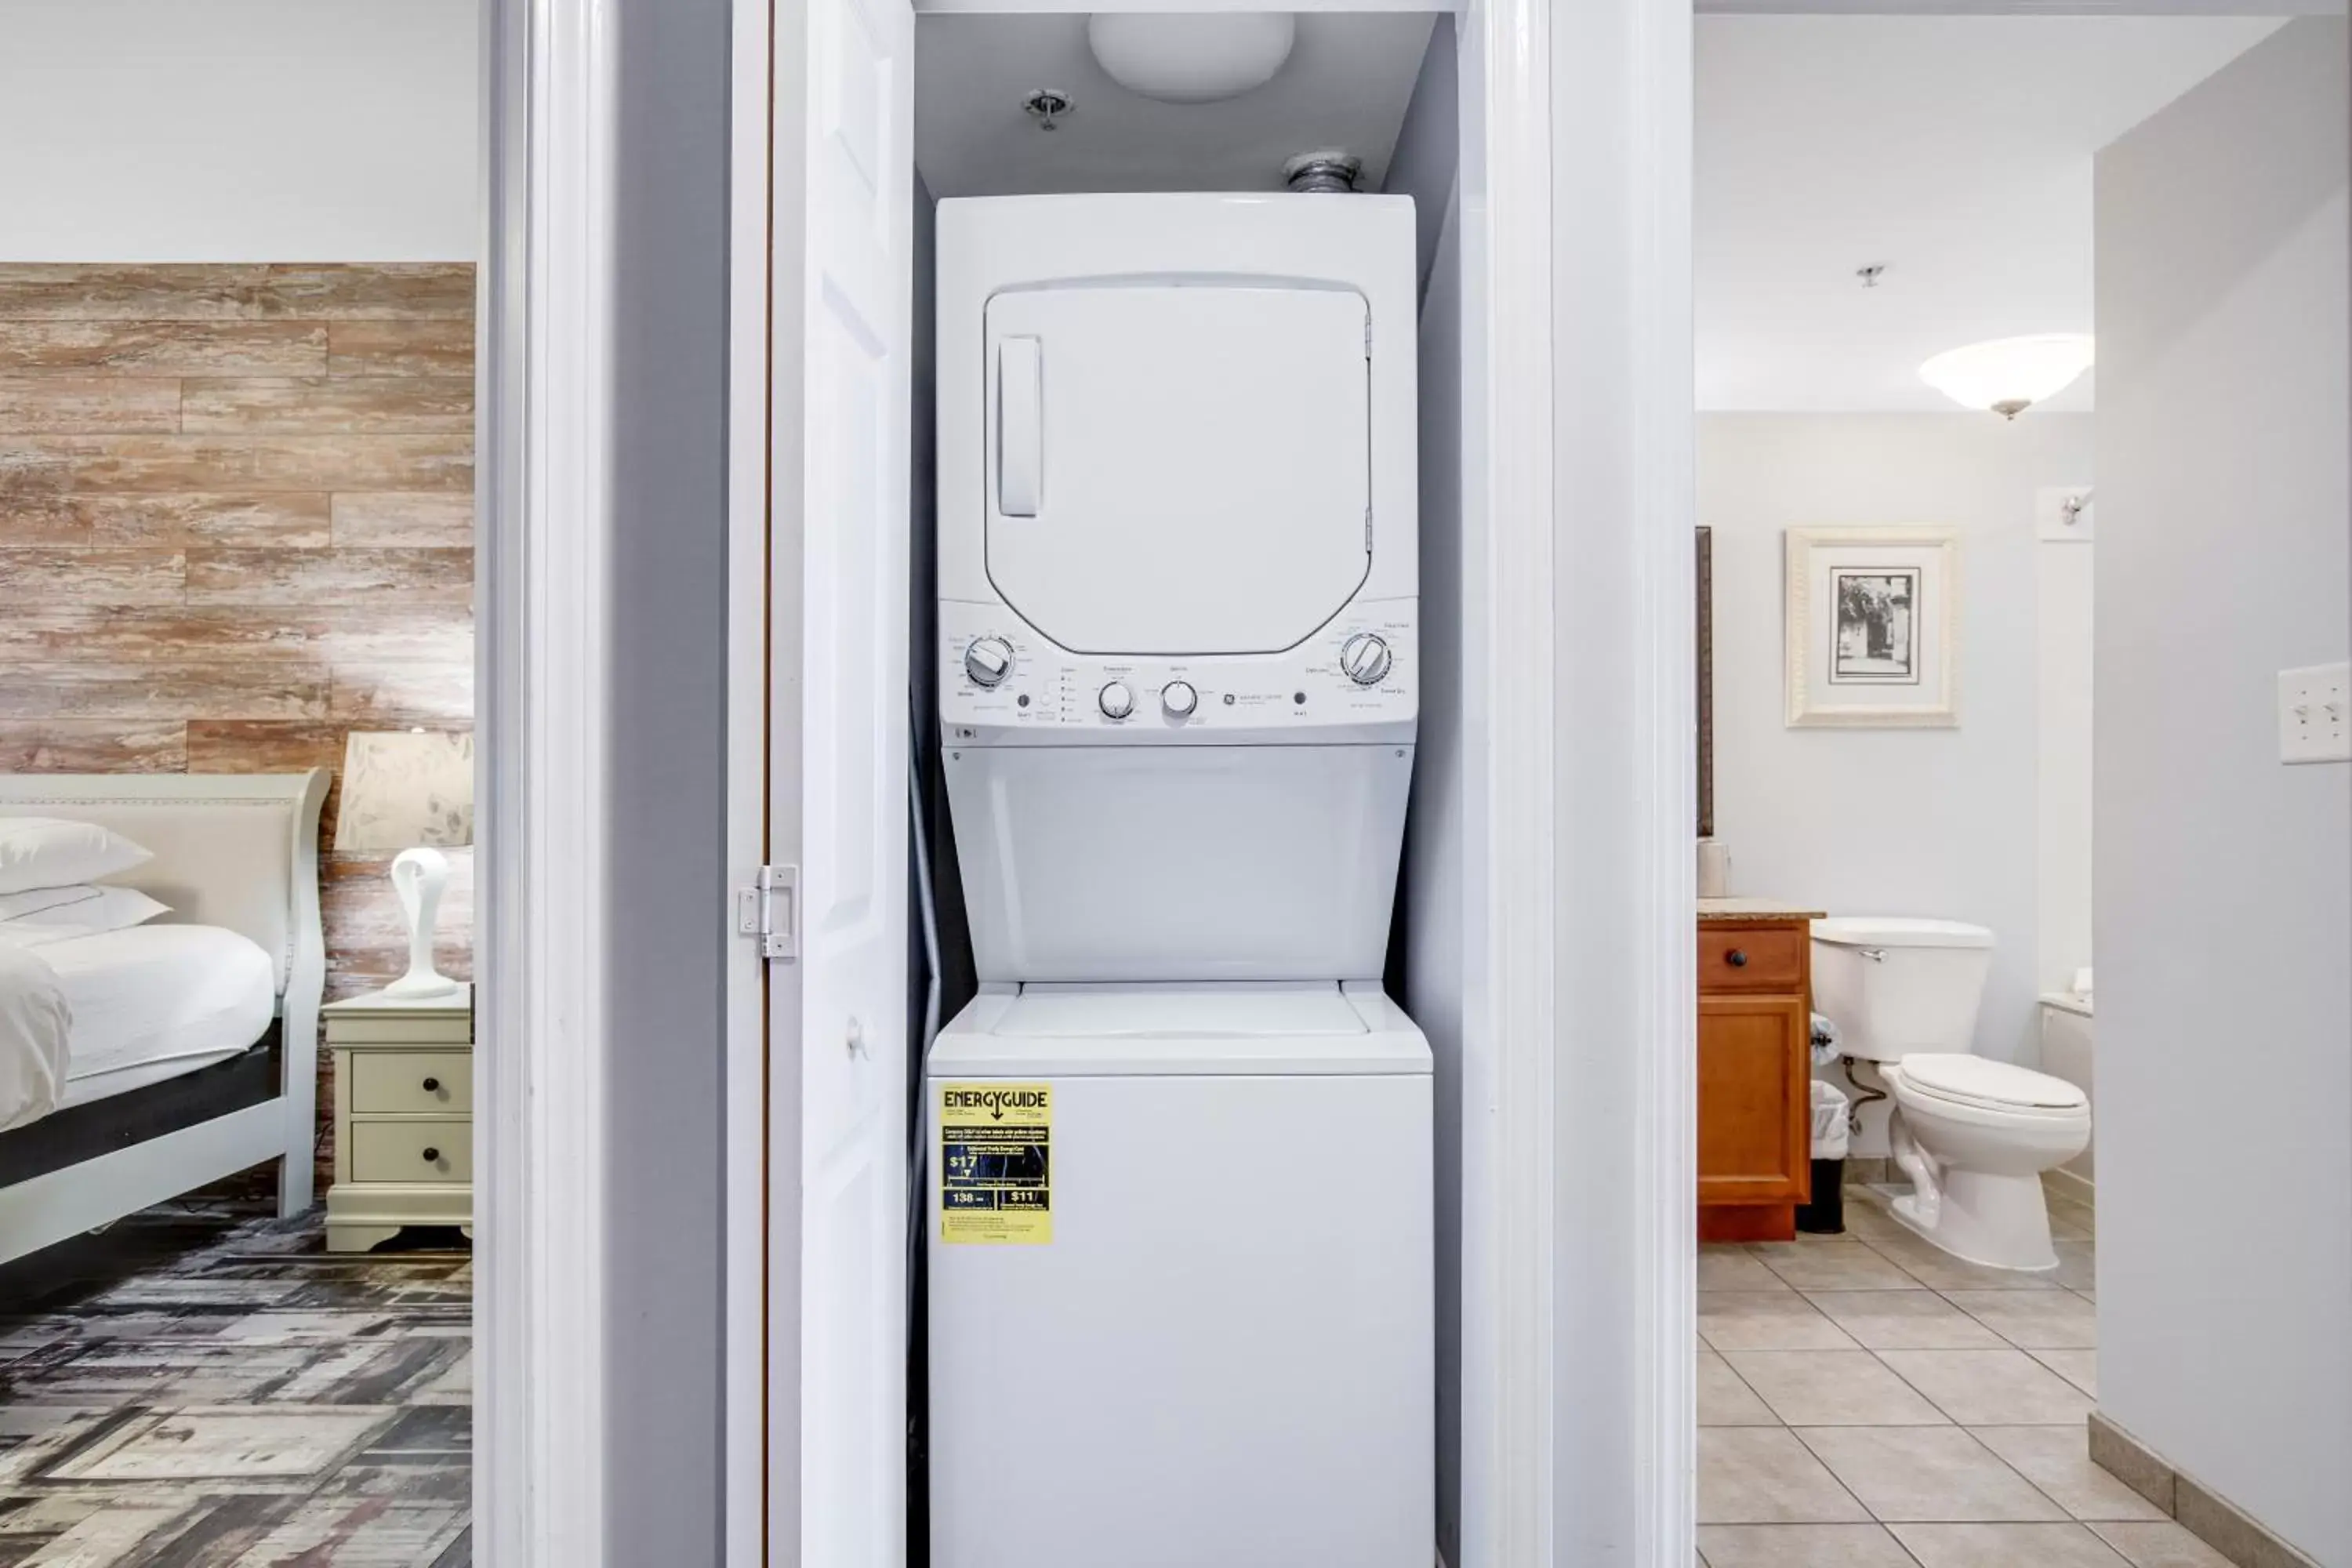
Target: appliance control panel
[(998, 677)]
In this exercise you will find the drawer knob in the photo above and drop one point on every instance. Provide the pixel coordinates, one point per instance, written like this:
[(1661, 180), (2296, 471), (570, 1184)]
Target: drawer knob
[(1737, 958), (433, 1156), (432, 1086)]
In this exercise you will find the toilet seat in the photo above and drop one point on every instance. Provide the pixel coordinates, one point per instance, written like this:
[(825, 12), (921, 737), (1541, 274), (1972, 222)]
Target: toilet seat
[(1987, 1089)]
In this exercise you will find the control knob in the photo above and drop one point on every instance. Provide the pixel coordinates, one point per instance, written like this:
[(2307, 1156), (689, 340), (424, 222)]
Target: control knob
[(1179, 698), (1116, 700), (1366, 659), (987, 661)]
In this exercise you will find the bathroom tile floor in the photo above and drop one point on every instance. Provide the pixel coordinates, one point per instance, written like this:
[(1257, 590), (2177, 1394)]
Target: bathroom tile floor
[(1865, 1401)]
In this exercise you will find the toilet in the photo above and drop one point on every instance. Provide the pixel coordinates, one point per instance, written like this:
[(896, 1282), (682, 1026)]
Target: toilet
[(1973, 1135)]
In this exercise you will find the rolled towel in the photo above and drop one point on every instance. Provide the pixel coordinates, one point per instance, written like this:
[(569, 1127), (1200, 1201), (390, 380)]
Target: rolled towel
[(1825, 1041)]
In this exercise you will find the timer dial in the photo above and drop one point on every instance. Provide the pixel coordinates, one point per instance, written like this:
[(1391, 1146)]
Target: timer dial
[(987, 661), (1366, 659)]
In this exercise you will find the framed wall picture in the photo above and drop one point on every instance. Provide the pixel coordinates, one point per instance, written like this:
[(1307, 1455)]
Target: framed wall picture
[(1872, 627)]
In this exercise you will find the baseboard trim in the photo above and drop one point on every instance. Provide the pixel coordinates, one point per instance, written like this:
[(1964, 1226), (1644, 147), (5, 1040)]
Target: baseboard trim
[(2203, 1512)]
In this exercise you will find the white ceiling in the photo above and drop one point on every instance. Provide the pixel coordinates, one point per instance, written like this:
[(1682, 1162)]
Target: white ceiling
[(1346, 83), (1954, 149)]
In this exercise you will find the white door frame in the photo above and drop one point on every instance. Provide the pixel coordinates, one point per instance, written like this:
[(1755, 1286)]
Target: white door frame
[(1510, 1009), (542, 589), (1626, 1172), (762, 1467)]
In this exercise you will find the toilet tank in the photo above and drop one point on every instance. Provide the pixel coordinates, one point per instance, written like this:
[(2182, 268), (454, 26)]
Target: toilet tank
[(1894, 986)]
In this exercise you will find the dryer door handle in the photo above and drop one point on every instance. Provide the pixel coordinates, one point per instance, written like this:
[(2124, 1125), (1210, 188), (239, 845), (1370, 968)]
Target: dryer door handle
[(1020, 427)]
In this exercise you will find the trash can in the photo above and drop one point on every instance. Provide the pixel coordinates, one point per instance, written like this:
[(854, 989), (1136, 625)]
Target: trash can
[(1825, 1215)]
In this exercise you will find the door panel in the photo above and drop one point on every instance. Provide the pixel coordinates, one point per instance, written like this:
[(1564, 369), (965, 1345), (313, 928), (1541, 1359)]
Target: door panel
[(839, 638), (1755, 1114)]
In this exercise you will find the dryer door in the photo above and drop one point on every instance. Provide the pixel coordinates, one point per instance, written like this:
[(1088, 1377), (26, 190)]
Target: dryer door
[(1178, 468)]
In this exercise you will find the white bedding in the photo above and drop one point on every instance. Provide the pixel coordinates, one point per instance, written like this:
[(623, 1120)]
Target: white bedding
[(155, 1001), (35, 1022)]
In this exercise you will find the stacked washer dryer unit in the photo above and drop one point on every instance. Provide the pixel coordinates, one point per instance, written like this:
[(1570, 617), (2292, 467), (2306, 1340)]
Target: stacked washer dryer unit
[(1181, 1297)]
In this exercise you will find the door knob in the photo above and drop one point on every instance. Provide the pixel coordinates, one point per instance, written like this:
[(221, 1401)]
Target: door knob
[(433, 1156), (1737, 958), (432, 1086)]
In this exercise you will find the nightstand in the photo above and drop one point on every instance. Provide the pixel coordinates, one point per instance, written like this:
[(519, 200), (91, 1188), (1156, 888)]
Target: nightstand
[(404, 1116)]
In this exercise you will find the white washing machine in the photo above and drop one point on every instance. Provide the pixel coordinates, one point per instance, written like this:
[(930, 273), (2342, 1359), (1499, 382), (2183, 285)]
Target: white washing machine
[(1224, 1354), (1181, 1295)]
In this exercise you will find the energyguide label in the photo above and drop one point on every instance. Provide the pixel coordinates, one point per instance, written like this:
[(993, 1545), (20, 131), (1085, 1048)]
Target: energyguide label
[(996, 1163)]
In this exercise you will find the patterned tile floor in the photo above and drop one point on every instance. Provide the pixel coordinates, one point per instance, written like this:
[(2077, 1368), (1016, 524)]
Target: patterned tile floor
[(206, 1388), (1866, 1401)]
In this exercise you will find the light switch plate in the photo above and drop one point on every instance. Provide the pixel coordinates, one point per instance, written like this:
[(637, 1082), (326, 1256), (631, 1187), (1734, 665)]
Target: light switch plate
[(2316, 713)]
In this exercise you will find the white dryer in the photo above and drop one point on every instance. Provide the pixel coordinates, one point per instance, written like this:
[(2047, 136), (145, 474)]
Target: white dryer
[(1181, 1295), (1178, 560)]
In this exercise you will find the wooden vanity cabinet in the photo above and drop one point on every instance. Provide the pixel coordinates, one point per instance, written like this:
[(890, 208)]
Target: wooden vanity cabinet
[(1755, 1069)]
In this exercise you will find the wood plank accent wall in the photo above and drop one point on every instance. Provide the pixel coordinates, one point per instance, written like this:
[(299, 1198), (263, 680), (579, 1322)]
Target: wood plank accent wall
[(236, 521)]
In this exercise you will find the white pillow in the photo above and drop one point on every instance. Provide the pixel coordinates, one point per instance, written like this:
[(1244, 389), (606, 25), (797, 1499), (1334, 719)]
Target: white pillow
[(88, 912), (49, 852)]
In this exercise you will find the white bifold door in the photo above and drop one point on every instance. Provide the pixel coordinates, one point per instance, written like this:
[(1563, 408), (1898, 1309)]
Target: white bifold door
[(840, 241)]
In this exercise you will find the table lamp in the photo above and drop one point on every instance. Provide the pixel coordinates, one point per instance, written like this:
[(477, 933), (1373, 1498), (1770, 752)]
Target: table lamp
[(411, 791)]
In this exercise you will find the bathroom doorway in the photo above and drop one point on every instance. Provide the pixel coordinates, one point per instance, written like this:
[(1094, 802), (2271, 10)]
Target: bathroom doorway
[(1972, 756)]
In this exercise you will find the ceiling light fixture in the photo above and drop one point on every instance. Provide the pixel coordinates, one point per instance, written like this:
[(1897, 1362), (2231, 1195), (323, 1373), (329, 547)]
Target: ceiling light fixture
[(2008, 375), (1191, 57)]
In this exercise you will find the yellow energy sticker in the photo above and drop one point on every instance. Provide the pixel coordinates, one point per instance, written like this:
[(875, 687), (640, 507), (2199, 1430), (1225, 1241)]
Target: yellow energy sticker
[(996, 1162)]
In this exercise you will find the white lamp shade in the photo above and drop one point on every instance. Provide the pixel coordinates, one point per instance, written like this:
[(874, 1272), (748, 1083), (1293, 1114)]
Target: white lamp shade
[(2010, 373), (405, 789), (1194, 57)]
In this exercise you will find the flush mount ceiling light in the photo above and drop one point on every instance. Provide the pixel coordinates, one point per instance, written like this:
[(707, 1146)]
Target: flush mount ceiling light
[(2008, 375), (1193, 57)]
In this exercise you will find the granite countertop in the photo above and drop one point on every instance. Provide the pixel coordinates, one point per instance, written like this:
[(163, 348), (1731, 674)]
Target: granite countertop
[(1733, 911)]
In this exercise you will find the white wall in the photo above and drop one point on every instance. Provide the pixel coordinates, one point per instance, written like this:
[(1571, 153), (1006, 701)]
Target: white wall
[(240, 130), (2062, 703), (1911, 822), (2224, 878)]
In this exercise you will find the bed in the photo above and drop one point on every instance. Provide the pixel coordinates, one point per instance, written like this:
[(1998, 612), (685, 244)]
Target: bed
[(193, 1047)]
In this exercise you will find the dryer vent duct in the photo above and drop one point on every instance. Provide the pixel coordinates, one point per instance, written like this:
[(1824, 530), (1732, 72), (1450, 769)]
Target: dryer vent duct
[(1323, 173)]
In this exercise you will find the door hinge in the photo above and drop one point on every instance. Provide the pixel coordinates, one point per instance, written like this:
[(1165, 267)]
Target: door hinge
[(771, 910)]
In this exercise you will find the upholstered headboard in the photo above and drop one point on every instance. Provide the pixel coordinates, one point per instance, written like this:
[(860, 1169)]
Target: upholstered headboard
[(239, 850)]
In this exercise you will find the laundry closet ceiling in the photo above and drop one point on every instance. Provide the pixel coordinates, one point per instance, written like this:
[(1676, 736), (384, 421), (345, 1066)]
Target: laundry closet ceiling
[(1346, 85), (1954, 149)]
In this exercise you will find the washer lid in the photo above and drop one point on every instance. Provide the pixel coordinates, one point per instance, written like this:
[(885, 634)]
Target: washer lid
[(1180, 1031), (1899, 930), (1205, 1012), (1178, 467), (1979, 1081)]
